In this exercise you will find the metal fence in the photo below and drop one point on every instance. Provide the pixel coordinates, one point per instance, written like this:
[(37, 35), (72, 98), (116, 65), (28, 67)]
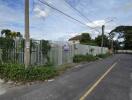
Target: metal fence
[(60, 53)]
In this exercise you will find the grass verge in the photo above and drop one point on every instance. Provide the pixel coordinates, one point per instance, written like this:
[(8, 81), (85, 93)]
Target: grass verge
[(18, 73), (84, 58)]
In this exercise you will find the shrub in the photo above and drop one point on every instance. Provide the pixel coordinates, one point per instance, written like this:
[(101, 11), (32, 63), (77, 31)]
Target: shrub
[(103, 55), (19, 73), (81, 58)]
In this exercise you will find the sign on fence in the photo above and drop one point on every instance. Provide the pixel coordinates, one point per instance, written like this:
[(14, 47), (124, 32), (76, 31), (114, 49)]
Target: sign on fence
[(66, 47)]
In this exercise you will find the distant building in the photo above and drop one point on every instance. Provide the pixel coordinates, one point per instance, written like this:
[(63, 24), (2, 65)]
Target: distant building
[(75, 40)]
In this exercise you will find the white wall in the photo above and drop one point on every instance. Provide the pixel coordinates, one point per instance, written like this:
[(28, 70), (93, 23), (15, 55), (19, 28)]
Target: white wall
[(59, 56)]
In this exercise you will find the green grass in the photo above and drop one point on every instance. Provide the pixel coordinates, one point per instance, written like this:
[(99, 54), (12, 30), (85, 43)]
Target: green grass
[(18, 73), (84, 58), (87, 57), (103, 55)]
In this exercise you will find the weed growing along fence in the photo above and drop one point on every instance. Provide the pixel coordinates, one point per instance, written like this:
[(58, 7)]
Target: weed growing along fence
[(18, 73), (84, 58), (43, 52)]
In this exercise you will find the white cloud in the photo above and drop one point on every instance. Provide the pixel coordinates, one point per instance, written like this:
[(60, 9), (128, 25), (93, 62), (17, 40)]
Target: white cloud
[(40, 12), (55, 27), (109, 25), (97, 23)]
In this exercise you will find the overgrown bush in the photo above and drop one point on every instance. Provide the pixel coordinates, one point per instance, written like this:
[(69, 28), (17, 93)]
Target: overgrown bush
[(45, 48), (103, 55), (19, 73), (81, 58)]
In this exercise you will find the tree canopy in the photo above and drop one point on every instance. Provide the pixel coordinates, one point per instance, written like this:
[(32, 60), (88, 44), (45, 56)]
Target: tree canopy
[(98, 40), (124, 32), (10, 34), (85, 38)]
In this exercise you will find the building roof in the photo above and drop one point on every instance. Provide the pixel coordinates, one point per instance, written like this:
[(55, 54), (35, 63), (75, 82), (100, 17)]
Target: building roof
[(78, 37)]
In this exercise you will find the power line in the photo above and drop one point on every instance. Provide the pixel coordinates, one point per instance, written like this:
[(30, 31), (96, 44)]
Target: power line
[(61, 12), (45, 3), (43, 9), (79, 12), (82, 15)]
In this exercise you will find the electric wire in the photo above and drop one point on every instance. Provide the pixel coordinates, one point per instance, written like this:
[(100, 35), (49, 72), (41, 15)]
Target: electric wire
[(49, 5), (79, 12)]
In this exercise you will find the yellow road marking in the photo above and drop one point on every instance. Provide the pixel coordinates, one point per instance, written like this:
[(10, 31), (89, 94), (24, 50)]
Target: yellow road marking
[(97, 82)]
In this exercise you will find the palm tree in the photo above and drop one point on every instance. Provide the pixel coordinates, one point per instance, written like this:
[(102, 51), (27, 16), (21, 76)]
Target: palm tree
[(6, 32), (13, 36), (19, 34), (9, 34)]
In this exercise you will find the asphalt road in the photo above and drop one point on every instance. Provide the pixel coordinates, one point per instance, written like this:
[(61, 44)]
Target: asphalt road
[(108, 79)]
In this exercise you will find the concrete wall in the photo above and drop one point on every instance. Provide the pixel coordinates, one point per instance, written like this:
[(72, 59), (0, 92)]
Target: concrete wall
[(59, 55), (124, 51)]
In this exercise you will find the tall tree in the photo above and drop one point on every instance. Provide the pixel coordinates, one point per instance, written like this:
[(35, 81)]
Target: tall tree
[(85, 38), (8, 42), (14, 35), (98, 40), (9, 34), (6, 32), (126, 33)]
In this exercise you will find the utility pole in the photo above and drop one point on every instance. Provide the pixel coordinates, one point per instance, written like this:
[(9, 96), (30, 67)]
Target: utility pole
[(27, 37), (111, 38), (102, 42), (112, 47)]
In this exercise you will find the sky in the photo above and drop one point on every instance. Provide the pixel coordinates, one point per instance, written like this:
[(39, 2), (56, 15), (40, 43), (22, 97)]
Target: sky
[(46, 23)]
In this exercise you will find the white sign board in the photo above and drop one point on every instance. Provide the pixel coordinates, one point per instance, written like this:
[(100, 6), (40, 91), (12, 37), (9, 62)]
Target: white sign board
[(66, 47), (27, 44)]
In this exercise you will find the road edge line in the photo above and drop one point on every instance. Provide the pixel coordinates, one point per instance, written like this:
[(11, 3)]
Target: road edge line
[(97, 82)]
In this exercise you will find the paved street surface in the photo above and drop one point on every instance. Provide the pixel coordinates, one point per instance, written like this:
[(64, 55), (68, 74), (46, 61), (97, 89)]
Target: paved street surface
[(2, 89), (100, 80)]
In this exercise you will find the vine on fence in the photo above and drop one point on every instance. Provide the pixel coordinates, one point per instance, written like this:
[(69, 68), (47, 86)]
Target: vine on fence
[(45, 48), (6, 45)]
